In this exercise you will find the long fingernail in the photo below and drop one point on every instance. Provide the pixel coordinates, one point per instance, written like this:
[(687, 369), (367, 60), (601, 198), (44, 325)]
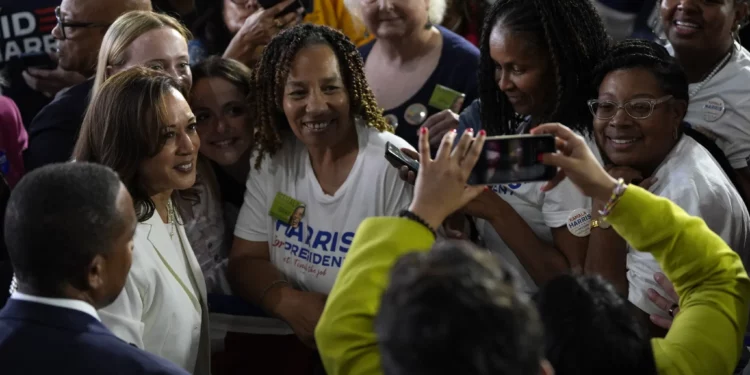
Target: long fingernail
[(482, 132), (454, 131), (423, 130), (486, 188), (470, 130)]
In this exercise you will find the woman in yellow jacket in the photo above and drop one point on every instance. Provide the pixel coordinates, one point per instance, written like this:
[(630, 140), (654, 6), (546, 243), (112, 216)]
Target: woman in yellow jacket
[(715, 290)]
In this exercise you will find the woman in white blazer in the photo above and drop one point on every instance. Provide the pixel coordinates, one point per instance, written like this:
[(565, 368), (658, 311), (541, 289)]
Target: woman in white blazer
[(140, 125)]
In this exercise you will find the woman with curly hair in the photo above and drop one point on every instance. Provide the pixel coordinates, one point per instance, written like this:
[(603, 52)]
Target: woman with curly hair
[(319, 142)]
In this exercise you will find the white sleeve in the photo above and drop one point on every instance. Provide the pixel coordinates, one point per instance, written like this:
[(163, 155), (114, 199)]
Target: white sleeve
[(561, 201), (397, 193), (124, 316), (252, 223), (736, 142)]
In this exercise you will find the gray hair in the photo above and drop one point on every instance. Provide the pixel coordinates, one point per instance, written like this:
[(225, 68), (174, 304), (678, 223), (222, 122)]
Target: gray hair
[(435, 13)]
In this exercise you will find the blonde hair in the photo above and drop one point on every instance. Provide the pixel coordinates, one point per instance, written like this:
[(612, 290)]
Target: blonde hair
[(123, 32), (435, 13)]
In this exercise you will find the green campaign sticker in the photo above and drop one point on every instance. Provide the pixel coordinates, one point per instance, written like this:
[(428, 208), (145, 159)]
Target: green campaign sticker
[(444, 98), (287, 209)]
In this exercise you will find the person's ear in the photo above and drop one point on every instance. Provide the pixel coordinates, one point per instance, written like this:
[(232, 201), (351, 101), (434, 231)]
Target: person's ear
[(740, 14), (545, 368), (96, 269), (109, 72), (679, 109)]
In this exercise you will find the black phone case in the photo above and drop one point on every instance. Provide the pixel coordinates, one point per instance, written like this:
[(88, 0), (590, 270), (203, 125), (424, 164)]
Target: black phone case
[(306, 5), (397, 158), (37, 60)]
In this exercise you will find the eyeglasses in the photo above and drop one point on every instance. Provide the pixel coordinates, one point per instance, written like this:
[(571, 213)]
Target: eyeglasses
[(61, 22), (638, 109)]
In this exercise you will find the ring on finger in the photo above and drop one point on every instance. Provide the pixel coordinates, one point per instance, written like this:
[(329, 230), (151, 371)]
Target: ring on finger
[(672, 309)]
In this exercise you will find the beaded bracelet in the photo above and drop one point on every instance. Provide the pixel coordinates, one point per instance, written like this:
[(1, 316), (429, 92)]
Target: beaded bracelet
[(617, 193), (412, 216)]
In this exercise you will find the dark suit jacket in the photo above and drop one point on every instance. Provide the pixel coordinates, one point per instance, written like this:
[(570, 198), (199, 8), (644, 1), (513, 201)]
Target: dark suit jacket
[(41, 339), (54, 131)]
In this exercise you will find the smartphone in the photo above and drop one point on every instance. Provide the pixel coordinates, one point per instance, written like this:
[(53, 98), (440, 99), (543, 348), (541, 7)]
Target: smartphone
[(398, 159), (40, 60), (516, 158), (266, 4)]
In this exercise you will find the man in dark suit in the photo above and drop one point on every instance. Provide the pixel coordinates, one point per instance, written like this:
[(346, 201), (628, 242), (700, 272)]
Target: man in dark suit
[(69, 232), (80, 29)]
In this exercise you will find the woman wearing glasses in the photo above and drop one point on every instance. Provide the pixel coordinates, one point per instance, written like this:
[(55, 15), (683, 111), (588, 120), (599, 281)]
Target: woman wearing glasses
[(638, 126)]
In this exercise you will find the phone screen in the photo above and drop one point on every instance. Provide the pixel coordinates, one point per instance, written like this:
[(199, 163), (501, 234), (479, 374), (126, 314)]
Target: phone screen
[(509, 159)]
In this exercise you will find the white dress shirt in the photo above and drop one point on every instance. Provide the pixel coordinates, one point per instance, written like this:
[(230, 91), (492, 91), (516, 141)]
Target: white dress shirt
[(65, 303)]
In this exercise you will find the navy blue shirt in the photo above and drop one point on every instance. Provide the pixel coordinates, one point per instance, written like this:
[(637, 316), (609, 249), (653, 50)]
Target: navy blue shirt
[(456, 70)]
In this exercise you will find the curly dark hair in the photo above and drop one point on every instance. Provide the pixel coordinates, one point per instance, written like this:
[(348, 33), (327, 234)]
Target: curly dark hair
[(272, 71), (574, 35)]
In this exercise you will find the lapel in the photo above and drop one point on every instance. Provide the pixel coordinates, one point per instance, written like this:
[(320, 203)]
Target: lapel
[(193, 266), (158, 236)]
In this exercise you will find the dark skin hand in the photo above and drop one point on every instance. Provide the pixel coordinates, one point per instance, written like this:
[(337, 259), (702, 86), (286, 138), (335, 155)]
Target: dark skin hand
[(607, 251), (542, 261)]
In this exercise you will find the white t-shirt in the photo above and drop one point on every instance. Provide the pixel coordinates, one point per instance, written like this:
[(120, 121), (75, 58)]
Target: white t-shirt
[(690, 177), (722, 107), (311, 254), (541, 211)]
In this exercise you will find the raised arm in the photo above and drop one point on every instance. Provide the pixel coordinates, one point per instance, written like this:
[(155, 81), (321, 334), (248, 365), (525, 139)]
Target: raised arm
[(706, 337), (344, 334)]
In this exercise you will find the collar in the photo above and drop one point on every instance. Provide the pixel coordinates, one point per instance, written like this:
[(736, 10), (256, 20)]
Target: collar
[(65, 303)]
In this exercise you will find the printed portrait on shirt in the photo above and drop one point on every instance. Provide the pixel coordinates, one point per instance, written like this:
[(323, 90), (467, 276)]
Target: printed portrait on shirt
[(297, 216)]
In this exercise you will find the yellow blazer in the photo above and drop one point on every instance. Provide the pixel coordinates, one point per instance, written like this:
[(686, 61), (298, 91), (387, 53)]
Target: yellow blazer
[(706, 337)]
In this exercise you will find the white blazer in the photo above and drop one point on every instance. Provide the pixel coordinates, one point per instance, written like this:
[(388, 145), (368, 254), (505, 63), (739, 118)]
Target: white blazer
[(157, 310)]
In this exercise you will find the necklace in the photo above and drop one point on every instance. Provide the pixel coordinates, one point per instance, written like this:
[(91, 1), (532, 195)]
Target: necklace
[(171, 218), (711, 75)]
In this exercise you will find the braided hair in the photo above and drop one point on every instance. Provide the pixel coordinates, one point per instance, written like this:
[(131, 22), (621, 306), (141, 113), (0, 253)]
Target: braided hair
[(637, 53), (273, 69), (574, 36)]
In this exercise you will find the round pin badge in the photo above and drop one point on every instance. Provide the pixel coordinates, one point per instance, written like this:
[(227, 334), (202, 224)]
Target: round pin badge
[(579, 222), (713, 109), (415, 114), (392, 120)]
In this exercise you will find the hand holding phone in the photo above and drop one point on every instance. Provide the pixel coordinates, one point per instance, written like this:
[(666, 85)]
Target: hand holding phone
[(41, 60), (512, 159), (260, 28), (291, 8), (398, 159), (576, 162)]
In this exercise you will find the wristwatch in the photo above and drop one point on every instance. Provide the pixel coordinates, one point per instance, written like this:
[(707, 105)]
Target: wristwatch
[(599, 223)]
